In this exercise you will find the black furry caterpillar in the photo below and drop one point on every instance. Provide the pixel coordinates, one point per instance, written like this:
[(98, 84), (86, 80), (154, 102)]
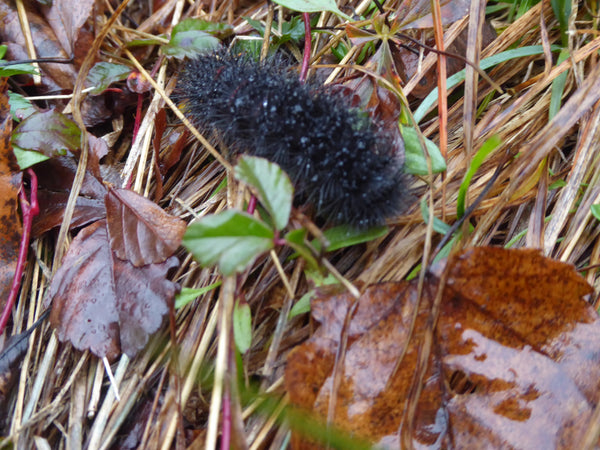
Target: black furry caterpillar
[(338, 159)]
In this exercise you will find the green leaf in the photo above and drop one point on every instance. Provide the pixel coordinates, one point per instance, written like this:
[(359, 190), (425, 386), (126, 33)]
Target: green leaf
[(9, 69), (188, 295), (242, 327), (312, 6), (219, 30), (488, 146), (26, 158), (3, 49), (302, 306), (232, 240), (103, 74), (562, 11), (292, 30), (193, 36), (595, 209), (20, 107), (486, 63), (416, 162), (558, 86), (557, 184), (273, 186), (145, 42), (345, 236), (297, 240), (438, 225), (50, 133)]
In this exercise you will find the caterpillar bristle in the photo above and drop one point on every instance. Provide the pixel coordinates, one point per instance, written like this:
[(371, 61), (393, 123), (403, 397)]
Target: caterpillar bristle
[(342, 162)]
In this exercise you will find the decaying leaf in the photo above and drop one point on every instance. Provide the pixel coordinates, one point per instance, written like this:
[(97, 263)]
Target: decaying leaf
[(55, 178), (140, 231), (105, 304), (514, 361), (10, 182)]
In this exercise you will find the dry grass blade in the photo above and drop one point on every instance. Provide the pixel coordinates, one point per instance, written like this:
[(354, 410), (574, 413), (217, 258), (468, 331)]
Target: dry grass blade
[(173, 392)]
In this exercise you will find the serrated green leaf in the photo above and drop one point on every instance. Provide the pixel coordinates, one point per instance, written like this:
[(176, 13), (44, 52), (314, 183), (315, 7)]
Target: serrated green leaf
[(103, 74), (242, 327), (50, 133), (232, 240), (312, 6), (188, 295), (193, 36), (273, 186), (415, 161), (595, 209), (20, 107)]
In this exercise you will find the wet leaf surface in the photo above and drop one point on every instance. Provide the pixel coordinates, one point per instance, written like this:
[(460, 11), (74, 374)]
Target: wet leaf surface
[(104, 304), (140, 231), (514, 361), (10, 182), (55, 178), (50, 133)]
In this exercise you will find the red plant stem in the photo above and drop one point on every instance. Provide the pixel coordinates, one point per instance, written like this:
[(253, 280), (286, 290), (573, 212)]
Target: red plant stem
[(138, 116), (251, 205), (226, 426), (29, 209), (306, 56)]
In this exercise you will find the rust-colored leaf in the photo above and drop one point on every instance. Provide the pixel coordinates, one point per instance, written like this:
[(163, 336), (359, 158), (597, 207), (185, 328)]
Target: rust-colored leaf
[(140, 231), (513, 337), (10, 183), (104, 304)]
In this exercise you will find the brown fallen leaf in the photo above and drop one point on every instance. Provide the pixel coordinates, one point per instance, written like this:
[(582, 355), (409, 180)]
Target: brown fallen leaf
[(10, 183), (54, 76), (514, 362), (104, 304), (73, 23), (55, 177), (140, 231)]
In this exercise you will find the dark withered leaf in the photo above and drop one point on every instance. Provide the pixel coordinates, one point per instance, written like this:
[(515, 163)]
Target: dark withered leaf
[(104, 304), (140, 231), (55, 178)]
